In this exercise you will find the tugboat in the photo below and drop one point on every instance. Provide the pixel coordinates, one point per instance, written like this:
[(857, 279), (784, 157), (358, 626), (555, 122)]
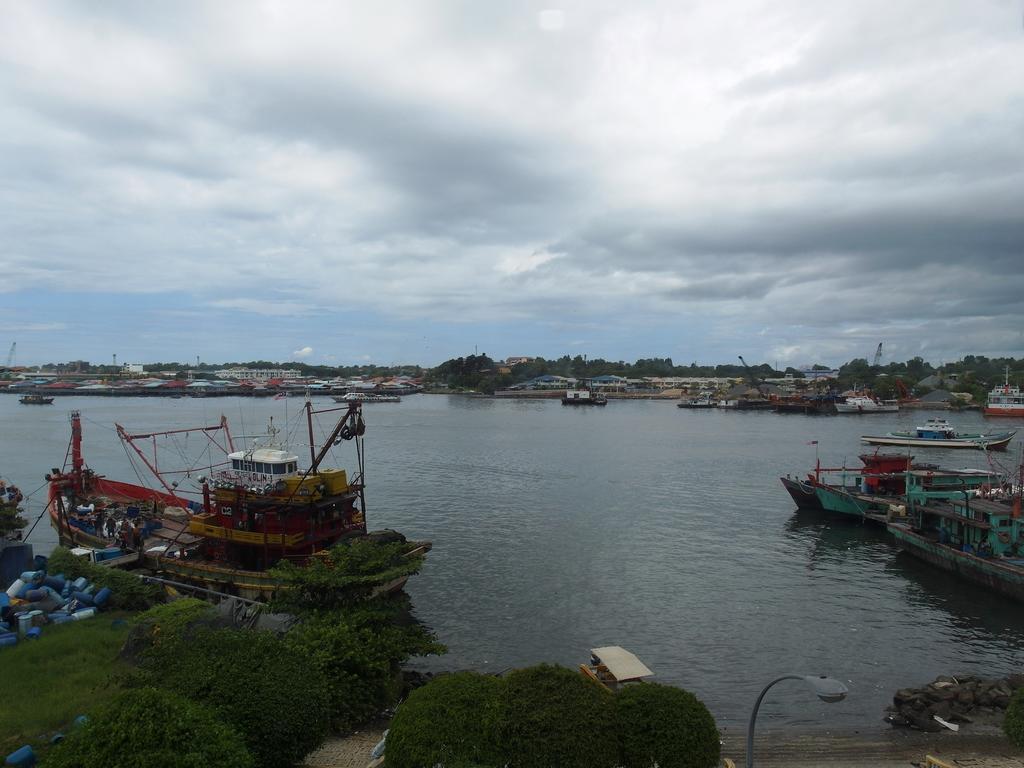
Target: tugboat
[(1005, 400), (255, 507)]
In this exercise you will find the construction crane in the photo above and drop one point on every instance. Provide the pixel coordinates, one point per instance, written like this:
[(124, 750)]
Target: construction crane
[(878, 356), (753, 379), (10, 355)]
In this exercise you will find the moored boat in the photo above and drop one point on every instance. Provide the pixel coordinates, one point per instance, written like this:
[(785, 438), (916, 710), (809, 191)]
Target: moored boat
[(864, 404), (614, 666), (980, 539), (885, 488), (366, 397), (937, 433), (1005, 400), (249, 510), (701, 401)]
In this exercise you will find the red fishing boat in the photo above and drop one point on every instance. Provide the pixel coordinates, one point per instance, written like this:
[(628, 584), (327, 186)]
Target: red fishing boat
[(246, 510)]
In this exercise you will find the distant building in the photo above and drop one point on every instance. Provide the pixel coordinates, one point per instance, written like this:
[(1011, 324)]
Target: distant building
[(257, 374), (510, 361), (133, 368), (810, 373)]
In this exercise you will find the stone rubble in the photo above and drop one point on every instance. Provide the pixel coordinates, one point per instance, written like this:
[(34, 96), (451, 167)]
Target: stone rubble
[(960, 699)]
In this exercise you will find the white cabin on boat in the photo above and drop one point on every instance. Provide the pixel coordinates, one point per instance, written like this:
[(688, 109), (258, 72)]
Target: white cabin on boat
[(262, 466)]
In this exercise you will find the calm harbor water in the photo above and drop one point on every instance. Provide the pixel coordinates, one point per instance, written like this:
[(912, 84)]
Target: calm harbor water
[(639, 524)]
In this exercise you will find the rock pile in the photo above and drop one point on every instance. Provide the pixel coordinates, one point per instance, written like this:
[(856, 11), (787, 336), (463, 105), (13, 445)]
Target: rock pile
[(954, 699)]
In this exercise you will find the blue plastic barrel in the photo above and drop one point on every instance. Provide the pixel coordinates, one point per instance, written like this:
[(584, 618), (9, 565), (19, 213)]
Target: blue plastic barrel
[(35, 595), (31, 577), (85, 613), (34, 633), (8, 639), (22, 758), (24, 624), (100, 598), (82, 597), (79, 583), (54, 582)]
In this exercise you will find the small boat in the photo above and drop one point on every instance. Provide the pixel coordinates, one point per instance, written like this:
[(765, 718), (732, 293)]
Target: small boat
[(583, 397), (613, 666), (701, 401), (865, 404), (1005, 400), (35, 400), (365, 397), (937, 433)]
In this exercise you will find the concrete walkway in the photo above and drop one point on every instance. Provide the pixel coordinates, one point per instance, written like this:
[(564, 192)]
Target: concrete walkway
[(783, 749)]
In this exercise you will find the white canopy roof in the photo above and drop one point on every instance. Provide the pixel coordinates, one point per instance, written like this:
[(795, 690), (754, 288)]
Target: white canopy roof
[(621, 663)]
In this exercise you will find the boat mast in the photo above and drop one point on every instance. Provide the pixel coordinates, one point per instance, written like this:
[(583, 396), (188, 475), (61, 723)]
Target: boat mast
[(77, 463)]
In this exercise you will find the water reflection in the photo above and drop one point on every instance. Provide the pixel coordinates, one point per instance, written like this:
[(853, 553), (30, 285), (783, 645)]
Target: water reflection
[(838, 538), (969, 607)]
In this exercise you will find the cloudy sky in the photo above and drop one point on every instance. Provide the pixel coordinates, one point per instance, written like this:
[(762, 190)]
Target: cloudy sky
[(405, 182)]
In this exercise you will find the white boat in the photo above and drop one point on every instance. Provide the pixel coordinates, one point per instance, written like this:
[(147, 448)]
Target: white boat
[(864, 404), (937, 433), (1005, 400), (366, 397)]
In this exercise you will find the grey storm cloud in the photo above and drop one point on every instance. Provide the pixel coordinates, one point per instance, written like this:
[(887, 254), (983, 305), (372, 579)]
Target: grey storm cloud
[(833, 173)]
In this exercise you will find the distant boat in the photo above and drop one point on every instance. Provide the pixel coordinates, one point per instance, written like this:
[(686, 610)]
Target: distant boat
[(937, 433), (583, 397), (865, 404), (35, 400), (1005, 400), (614, 666), (365, 397), (702, 401)]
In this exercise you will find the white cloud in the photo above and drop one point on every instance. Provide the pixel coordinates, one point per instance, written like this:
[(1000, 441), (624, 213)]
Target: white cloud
[(303, 353), (753, 164)]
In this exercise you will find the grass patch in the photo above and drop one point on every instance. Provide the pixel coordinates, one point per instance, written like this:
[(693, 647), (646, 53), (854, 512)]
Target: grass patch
[(48, 682)]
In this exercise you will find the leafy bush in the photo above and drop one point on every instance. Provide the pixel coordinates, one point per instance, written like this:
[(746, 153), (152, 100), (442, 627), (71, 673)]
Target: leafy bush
[(450, 721), (256, 684), (664, 726), (549, 715), (163, 623), (127, 590), (347, 574), (1013, 722), (150, 728), (358, 654)]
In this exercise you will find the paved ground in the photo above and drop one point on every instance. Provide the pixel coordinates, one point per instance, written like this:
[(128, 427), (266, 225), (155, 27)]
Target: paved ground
[(885, 748)]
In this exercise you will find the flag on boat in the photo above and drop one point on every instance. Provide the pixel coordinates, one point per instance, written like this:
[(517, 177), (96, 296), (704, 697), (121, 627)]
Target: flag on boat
[(280, 395), (813, 442)]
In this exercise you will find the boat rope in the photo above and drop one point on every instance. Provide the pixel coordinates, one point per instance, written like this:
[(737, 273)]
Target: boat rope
[(40, 516)]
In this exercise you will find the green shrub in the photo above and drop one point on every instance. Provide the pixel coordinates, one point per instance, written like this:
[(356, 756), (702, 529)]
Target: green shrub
[(549, 715), (1013, 722), (127, 590), (664, 726), (448, 722), (346, 575), (257, 685), (150, 728), (358, 654)]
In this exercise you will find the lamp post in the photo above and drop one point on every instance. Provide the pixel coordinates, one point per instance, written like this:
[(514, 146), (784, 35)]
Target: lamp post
[(825, 688)]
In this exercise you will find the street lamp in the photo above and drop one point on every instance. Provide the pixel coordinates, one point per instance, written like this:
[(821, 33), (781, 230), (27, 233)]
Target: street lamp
[(825, 688)]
